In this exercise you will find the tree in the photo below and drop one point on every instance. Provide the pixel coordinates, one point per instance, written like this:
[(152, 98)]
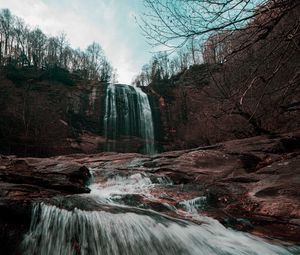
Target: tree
[(250, 49), (176, 22), (6, 21), (218, 47), (62, 44), (96, 59), (22, 35), (22, 46), (52, 52), (37, 42)]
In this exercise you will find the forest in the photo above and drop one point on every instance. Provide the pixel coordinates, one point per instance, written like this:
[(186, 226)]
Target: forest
[(246, 65), (24, 48)]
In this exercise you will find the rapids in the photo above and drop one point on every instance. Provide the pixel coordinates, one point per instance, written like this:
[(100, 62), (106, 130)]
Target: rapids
[(136, 229)]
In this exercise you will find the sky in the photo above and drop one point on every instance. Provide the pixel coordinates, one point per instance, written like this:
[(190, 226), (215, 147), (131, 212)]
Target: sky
[(108, 22)]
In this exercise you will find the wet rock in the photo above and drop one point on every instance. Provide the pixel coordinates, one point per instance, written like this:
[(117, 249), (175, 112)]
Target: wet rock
[(249, 184), (46, 173), (250, 162), (239, 223), (25, 181)]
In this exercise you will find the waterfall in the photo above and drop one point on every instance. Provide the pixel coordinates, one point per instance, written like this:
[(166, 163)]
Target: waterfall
[(118, 227), (110, 117), (128, 114), (61, 232)]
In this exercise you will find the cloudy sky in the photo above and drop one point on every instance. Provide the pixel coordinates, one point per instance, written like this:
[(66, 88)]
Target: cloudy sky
[(109, 22)]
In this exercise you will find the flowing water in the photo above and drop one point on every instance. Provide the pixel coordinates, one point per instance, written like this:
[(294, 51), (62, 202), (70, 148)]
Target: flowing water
[(134, 229), (128, 114)]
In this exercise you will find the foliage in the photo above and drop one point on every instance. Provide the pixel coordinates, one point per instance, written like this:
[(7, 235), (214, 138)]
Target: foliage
[(19, 75)]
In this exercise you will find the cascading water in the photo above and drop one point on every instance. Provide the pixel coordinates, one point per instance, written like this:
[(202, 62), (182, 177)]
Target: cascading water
[(128, 114), (61, 232), (194, 204), (128, 230)]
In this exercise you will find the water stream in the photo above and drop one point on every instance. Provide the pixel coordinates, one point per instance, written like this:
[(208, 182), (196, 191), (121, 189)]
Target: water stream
[(132, 229)]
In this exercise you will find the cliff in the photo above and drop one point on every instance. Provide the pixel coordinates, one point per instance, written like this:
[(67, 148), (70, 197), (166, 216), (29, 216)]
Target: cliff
[(193, 113), (42, 117)]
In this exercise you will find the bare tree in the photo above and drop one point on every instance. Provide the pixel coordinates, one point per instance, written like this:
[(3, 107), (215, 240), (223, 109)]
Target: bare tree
[(37, 42), (22, 46), (22, 36), (175, 22), (62, 45), (250, 49), (96, 57), (6, 21)]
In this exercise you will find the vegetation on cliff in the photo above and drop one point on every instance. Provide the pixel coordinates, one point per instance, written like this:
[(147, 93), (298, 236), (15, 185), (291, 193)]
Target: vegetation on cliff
[(49, 92), (234, 77), (24, 50)]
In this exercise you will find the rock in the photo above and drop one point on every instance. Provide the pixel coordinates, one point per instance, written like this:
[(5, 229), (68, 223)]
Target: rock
[(248, 179), (25, 181), (67, 114), (246, 186), (46, 173), (14, 223)]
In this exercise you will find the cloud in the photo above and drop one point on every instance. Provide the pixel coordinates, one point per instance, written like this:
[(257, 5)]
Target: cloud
[(109, 22)]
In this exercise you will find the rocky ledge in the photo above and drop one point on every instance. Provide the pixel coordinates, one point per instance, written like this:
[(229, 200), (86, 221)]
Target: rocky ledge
[(26, 180), (250, 184)]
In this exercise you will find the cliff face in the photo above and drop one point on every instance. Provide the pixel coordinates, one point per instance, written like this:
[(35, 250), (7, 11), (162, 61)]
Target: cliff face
[(189, 117), (192, 113), (42, 117), (39, 117), (247, 86)]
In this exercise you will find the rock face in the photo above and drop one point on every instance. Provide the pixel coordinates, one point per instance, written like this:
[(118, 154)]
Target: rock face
[(44, 118), (24, 181), (250, 184), (193, 113)]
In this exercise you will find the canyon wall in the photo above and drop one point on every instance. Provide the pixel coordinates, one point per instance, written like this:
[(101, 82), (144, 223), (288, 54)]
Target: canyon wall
[(42, 117), (192, 113)]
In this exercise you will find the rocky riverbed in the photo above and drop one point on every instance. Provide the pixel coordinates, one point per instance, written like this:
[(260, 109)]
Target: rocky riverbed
[(250, 185)]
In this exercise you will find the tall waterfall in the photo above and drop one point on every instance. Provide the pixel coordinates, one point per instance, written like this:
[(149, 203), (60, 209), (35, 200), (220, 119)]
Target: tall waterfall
[(128, 114)]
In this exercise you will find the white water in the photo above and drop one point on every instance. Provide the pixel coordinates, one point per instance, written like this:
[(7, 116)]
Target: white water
[(193, 205), (125, 185), (61, 232), (110, 117), (128, 113), (56, 231), (146, 122)]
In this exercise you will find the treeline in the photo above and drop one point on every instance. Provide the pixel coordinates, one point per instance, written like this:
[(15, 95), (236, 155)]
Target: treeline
[(253, 74), (22, 46), (164, 65), (219, 45)]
